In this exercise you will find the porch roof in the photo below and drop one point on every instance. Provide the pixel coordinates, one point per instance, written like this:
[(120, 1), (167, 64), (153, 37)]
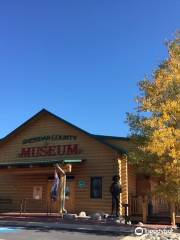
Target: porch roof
[(40, 163)]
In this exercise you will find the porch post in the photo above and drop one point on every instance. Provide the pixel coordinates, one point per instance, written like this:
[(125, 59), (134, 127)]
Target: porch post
[(124, 182), (144, 208), (62, 189), (120, 197)]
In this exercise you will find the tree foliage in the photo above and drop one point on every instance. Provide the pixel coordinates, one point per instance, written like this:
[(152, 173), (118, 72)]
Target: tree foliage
[(155, 126)]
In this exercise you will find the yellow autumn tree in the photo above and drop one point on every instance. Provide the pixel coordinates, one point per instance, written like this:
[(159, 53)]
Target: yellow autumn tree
[(156, 126)]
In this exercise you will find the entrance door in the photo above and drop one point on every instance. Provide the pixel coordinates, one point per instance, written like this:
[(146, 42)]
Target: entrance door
[(54, 207), (70, 196)]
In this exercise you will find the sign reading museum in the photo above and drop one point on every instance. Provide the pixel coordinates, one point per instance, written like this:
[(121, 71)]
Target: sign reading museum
[(49, 150), (52, 150), (49, 138)]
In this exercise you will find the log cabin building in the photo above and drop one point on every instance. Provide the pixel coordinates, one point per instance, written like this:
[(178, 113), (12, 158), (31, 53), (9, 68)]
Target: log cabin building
[(28, 156)]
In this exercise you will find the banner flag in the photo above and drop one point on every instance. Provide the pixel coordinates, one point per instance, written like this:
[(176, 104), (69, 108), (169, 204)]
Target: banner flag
[(55, 187)]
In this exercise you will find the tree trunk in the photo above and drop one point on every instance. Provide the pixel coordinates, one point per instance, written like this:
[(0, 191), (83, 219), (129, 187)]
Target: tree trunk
[(144, 208), (173, 214)]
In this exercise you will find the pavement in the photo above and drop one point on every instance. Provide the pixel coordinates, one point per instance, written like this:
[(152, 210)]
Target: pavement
[(46, 234), (91, 228), (41, 233), (103, 227)]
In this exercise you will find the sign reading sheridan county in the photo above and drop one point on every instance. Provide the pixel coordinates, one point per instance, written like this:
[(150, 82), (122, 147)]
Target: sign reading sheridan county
[(51, 150), (49, 138)]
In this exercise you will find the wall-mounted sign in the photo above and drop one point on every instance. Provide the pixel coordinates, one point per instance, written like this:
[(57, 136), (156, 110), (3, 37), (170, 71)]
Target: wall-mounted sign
[(49, 138), (37, 192), (52, 150), (81, 184)]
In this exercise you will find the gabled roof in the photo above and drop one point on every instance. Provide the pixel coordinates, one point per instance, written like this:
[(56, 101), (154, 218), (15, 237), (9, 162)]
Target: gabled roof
[(111, 137), (44, 111), (125, 143)]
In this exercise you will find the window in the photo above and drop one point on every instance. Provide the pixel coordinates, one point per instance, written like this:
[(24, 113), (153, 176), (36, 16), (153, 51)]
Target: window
[(96, 187)]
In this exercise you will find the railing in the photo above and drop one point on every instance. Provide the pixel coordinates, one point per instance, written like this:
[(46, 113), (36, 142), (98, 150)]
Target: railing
[(5, 204), (160, 206), (27, 203), (23, 206), (135, 207), (5, 201)]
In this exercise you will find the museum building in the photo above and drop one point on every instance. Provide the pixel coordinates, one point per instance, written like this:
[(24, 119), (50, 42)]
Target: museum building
[(29, 154)]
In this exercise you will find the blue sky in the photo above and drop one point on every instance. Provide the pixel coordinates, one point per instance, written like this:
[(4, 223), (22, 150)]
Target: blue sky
[(80, 59)]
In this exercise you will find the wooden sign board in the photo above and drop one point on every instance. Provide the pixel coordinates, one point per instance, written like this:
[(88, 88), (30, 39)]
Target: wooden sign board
[(37, 192)]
